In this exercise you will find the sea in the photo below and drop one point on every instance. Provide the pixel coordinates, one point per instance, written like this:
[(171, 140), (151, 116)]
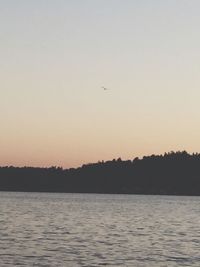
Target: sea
[(76, 230)]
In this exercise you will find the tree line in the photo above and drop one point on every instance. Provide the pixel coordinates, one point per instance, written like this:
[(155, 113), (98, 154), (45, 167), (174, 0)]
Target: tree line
[(174, 173)]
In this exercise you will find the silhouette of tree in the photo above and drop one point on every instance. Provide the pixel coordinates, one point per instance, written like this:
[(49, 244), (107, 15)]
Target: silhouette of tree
[(172, 173)]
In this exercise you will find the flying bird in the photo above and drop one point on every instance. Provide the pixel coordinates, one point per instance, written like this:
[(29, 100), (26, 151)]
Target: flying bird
[(104, 88)]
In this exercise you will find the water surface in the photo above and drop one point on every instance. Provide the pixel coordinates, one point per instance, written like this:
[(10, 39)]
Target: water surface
[(42, 229)]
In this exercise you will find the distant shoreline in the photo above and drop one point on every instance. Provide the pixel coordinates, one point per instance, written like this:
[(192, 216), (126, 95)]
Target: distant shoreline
[(114, 194), (174, 173)]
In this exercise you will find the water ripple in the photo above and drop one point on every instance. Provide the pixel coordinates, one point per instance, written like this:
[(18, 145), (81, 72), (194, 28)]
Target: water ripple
[(98, 230)]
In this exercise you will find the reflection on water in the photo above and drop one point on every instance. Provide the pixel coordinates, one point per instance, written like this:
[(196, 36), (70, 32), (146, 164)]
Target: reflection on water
[(40, 229)]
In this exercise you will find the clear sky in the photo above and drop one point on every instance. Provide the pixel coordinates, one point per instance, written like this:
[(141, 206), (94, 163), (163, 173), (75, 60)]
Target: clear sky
[(56, 54)]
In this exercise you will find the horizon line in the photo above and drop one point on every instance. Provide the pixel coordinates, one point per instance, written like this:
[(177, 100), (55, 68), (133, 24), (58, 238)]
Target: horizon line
[(104, 161)]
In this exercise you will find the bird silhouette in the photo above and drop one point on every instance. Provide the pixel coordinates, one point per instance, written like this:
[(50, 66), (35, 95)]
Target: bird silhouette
[(104, 88)]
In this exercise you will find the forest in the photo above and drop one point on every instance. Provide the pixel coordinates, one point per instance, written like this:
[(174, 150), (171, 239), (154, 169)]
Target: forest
[(174, 173)]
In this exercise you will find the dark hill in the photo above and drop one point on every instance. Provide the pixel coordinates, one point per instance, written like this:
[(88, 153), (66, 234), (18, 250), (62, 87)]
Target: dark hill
[(174, 173)]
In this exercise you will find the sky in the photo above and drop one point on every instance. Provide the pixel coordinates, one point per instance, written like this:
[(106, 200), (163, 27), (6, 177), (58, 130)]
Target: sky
[(55, 56)]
